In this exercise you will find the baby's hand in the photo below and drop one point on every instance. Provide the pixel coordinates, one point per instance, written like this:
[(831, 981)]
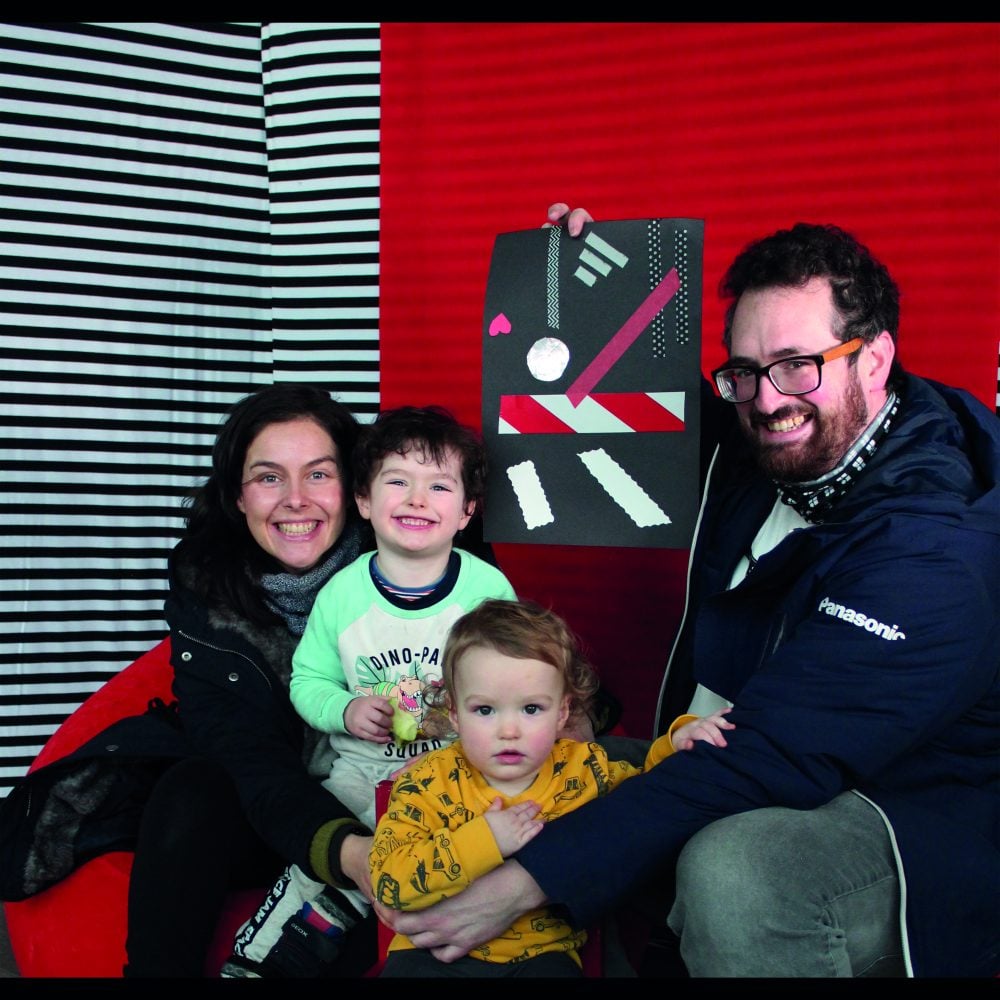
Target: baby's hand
[(369, 717), (512, 828), (708, 728)]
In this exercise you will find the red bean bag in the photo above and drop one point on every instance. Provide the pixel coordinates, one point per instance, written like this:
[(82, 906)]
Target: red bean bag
[(77, 927)]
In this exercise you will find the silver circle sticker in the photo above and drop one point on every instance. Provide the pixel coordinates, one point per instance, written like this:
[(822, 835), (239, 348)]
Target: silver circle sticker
[(547, 359)]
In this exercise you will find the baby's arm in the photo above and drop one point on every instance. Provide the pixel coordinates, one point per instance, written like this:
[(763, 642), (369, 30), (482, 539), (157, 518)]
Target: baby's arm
[(708, 728), (417, 858)]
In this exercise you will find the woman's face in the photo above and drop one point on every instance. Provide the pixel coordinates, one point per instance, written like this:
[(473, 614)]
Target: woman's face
[(292, 495)]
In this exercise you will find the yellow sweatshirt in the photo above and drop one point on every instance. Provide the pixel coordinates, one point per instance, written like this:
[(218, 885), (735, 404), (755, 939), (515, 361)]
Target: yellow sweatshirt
[(433, 840)]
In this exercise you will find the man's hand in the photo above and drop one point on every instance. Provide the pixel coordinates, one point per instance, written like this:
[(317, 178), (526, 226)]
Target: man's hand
[(369, 717), (483, 911), (512, 828), (560, 214), (354, 853), (708, 728)]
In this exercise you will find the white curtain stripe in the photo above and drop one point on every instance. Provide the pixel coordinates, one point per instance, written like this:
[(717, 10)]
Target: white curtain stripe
[(187, 213)]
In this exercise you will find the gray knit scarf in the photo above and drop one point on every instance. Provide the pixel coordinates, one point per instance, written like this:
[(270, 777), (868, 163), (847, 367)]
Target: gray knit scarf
[(291, 595), (815, 499)]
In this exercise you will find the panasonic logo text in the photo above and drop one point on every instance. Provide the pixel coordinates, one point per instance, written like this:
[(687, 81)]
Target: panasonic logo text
[(883, 631)]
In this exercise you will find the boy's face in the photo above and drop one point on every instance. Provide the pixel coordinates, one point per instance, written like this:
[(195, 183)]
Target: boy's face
[(416, 506), (508, 713)]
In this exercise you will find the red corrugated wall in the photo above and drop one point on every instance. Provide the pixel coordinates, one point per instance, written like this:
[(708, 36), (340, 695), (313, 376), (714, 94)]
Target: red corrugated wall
[(889, 130)]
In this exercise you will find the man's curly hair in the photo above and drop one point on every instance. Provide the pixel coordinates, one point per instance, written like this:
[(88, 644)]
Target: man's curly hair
[(864, 293)]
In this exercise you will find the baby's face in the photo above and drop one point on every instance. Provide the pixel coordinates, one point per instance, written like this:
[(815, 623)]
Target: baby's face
[(508, 713)]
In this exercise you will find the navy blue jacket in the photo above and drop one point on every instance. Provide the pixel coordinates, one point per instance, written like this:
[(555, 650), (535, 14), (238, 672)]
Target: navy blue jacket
[(863, 654)]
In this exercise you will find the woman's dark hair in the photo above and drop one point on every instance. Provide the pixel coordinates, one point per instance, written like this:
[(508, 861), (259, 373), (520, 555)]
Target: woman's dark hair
[(217, 543)]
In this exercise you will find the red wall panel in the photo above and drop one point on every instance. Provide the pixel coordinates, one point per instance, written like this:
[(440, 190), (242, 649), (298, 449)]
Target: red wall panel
[(889, 130)]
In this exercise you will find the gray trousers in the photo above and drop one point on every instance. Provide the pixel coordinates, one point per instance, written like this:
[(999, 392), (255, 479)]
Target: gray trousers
[(788, 892)]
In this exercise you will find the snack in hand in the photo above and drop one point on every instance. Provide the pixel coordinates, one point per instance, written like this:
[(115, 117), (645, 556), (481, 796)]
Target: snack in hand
[(404, 724)]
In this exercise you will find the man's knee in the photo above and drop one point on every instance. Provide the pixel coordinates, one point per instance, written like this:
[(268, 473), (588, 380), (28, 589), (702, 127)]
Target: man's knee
[(731, 872), (803, 892)]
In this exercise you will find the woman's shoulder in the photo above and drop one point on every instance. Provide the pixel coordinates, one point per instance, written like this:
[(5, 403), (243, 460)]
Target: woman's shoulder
[(188, 610)]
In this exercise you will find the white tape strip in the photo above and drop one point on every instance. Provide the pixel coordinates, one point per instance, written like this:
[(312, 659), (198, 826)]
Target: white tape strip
[(530, 495), (622, 488)]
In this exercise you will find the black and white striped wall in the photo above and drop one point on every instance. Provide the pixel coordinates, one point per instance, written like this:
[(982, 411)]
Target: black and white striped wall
[(187, 213)]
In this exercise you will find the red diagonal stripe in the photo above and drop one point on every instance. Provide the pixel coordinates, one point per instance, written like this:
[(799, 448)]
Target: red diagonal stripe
[(612, 351), (638, 411), (525, 414)]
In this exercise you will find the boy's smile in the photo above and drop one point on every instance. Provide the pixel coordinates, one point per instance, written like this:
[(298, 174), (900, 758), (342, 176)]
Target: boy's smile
[(416, 508)]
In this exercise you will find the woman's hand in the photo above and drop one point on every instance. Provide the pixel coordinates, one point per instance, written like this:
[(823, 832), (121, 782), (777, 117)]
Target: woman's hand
[(369, 717), (354, 853), (560, 214)]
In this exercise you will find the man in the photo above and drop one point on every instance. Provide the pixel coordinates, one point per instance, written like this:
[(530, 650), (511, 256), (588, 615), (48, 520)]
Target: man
[(845, 597)]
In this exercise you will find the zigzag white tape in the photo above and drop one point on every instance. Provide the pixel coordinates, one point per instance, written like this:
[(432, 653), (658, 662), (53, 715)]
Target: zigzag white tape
[(623, 489), (530, 496), (552, 278)]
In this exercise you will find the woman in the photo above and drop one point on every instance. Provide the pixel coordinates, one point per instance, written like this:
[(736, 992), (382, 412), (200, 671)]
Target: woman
[(238, 799), (272, 523)]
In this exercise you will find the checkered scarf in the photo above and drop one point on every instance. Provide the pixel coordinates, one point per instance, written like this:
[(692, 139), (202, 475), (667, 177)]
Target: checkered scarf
[(815, 499)]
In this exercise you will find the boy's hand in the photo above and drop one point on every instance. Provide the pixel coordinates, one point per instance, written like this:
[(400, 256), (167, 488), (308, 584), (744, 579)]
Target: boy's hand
[(369, 717), (560, 215), (512, 828), (708, 728)]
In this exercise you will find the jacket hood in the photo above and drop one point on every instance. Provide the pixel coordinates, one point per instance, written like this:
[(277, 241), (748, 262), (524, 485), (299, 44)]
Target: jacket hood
[(942, 460)]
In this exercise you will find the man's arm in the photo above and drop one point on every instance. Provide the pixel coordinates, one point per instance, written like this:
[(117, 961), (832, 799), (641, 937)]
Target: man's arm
[(451, 929), (833, 707)]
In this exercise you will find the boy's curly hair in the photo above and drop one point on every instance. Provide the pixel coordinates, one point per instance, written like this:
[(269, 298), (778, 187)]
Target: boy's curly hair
[(523, 630), (431, 431)]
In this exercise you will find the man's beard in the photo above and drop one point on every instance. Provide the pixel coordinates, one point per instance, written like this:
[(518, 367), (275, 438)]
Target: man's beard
[(833, 433)]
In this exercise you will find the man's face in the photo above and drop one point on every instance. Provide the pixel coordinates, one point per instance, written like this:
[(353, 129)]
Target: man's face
[(799, 438)]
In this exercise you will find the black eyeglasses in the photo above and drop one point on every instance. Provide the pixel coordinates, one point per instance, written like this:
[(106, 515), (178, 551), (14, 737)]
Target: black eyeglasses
[(790, 376)]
